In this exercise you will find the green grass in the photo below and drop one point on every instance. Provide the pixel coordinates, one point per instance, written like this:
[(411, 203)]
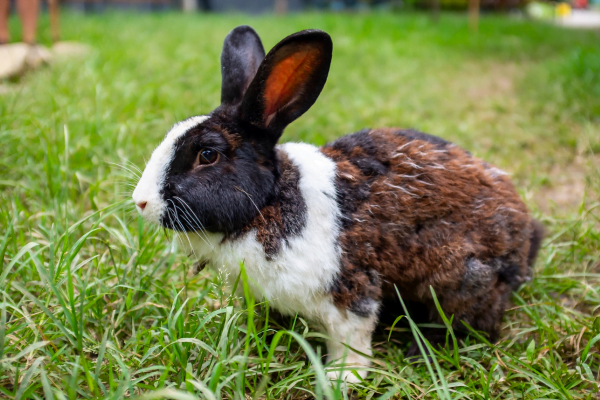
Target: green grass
[(95, 304)]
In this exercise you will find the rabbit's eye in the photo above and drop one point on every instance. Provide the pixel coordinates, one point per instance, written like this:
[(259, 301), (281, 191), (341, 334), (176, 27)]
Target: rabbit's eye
[(206, 156)]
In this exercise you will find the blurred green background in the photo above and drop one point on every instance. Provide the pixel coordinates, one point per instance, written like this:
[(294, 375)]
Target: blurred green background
[(107, 309)]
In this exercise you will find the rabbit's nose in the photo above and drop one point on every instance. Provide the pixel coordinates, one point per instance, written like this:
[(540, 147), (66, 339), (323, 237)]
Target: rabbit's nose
[(142, 205)]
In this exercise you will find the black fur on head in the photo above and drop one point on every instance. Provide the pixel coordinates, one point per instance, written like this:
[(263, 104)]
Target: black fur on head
[(258, 100)]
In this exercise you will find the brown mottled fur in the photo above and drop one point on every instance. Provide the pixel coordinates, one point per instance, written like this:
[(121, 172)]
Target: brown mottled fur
[(421, 212)]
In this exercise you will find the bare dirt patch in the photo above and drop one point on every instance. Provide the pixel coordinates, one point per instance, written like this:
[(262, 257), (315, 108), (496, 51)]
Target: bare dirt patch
[(568, 184), (491, 81)]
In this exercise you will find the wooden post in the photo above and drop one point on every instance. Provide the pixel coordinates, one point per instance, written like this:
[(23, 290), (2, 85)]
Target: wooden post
[(474, 15), (281, 6), (189, 6), (54, 23), (435, 10)]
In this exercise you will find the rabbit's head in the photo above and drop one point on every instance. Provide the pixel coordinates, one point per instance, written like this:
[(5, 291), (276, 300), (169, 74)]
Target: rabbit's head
[(216, 172)]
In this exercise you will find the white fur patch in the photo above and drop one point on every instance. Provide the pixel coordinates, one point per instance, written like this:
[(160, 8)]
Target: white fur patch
[(153, 178), (497, 172)]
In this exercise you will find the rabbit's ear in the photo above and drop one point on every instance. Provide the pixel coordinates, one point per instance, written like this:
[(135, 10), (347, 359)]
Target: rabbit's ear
[(241, 56), (288, 82)]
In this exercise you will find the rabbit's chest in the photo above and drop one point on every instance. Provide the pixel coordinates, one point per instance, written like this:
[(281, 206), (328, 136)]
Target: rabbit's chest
[(296, 281)]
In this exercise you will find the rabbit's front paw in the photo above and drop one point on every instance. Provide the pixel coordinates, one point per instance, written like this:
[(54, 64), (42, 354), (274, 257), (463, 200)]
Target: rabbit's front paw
[(347, 375)]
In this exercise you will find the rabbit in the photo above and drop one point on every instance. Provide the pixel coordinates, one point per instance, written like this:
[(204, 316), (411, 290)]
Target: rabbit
[(330, 233)]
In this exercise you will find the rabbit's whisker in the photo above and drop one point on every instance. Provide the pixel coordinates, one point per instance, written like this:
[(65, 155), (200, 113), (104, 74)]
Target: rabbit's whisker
[(125, 168), (190, 213), (186, 215), (255, 206), (132, 165), (182, 228)]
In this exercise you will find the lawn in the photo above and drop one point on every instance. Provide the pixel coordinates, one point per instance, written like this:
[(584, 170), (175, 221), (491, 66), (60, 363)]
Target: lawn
[(96, 304)]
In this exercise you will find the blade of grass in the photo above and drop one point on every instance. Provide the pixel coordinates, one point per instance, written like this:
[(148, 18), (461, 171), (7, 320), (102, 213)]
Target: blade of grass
[(423, 344)]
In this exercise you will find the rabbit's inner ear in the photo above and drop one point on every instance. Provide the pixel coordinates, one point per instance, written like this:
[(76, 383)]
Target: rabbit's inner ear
[(241, 56), (288, 81)]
